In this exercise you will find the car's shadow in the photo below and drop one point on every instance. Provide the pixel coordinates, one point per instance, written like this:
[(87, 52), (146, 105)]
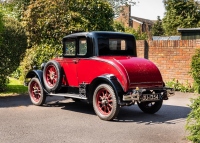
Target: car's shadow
[(168, 114), (14, 101)]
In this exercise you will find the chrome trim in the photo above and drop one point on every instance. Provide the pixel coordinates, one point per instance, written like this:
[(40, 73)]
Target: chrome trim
[(68, 95), (138, 94)]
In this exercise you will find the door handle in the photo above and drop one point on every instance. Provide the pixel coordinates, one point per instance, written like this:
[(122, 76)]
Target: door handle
[(75, 61)]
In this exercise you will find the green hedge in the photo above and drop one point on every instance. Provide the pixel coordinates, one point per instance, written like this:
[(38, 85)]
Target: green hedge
[(193, 119), (12, 47), (195, 69)]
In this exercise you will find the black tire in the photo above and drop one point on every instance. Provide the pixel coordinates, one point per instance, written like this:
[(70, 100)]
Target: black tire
[(52, 76), (105, 102), (36, 92), (150, 107)]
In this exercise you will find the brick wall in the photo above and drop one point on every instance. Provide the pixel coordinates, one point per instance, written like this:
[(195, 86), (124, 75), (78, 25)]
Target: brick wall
[(173, 58)]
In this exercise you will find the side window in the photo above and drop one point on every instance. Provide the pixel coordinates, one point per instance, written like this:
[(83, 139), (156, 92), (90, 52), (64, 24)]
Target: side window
[(70, 48), (82, 47)]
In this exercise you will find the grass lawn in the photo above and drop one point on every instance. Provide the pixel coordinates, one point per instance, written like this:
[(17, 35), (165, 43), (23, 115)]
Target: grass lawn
[(14, 88)]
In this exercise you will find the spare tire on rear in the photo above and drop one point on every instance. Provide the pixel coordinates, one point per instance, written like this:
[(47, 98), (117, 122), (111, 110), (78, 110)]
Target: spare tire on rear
[(52, 76)]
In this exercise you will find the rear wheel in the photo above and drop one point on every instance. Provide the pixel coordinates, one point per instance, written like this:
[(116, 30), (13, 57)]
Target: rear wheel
[(150, 107), (36, 92), (105, 102)]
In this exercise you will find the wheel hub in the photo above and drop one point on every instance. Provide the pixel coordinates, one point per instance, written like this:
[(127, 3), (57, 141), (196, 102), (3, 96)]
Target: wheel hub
[(104, 102), (52, 75)]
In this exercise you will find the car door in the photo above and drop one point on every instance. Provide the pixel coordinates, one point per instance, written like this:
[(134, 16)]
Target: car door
[(74, 51), (69, 62)]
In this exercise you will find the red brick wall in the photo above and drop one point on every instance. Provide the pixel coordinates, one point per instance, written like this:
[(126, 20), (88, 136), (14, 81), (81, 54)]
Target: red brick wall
[(173, 58)]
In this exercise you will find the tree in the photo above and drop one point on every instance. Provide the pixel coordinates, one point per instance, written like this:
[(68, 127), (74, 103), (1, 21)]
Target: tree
[(51, 20), (157, 29), (12, 48), (14, 8), (180, 14), (116, 5)]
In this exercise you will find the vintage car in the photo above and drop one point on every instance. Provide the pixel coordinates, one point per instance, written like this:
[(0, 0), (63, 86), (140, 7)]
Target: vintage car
[(103, 69)]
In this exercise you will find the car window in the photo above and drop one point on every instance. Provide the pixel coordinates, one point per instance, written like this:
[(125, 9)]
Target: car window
[(115, 46), (82, 46), (70, 48)]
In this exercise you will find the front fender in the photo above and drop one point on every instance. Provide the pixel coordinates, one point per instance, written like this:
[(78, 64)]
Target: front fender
[(35, 73), (109, 79)]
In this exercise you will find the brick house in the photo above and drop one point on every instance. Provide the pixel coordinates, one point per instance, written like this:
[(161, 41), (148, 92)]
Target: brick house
[(125, 17)]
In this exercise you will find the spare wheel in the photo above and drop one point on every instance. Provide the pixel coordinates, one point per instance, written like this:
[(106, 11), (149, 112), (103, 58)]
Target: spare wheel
[(52, 76)]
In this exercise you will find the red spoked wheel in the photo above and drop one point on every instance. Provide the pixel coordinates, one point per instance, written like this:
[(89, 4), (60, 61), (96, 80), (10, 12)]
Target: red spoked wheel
[(52, 76), (105, 102), (36, 92)]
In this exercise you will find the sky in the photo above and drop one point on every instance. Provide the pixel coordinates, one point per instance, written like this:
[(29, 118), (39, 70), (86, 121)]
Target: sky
[(148, 9)]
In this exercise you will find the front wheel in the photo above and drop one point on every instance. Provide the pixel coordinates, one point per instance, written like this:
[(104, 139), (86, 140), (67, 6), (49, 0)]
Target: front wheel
[(150, 107), (105, 102), (36, 92)]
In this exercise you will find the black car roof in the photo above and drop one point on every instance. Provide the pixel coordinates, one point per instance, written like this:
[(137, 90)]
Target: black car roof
[(96, 33)]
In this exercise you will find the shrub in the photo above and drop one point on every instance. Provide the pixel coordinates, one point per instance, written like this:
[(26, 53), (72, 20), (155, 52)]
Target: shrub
[(3, 79), (195, 69), (193, 121), (36, 55), (180, 86), (12, 48)]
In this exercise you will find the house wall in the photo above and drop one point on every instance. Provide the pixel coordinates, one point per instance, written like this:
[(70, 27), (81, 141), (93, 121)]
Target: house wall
[(125, 16), (136, 25), (173, 58)]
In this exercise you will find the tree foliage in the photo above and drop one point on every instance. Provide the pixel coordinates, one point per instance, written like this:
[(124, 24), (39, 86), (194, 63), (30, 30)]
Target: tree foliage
[(138, 35), (37, 55), (180, 14), (51, 20), (12, 47), (157, 29), (116, 5), (195, 69), (14, 8), (193, 121)]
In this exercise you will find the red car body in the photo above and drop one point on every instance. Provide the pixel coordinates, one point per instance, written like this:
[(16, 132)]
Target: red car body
[(102, 68)]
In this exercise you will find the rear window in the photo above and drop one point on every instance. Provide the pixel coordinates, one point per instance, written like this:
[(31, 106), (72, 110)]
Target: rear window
[(115, 46)]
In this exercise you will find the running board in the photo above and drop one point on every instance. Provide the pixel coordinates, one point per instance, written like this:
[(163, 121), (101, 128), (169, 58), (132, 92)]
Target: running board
[(68, 95)]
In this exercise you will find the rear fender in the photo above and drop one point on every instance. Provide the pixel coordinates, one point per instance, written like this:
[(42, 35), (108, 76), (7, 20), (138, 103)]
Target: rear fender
[(109, 79), (35, 73)]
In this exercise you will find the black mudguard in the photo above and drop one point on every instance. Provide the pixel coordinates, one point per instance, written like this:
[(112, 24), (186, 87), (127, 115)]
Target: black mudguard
[(35, 73), (109, 79)]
